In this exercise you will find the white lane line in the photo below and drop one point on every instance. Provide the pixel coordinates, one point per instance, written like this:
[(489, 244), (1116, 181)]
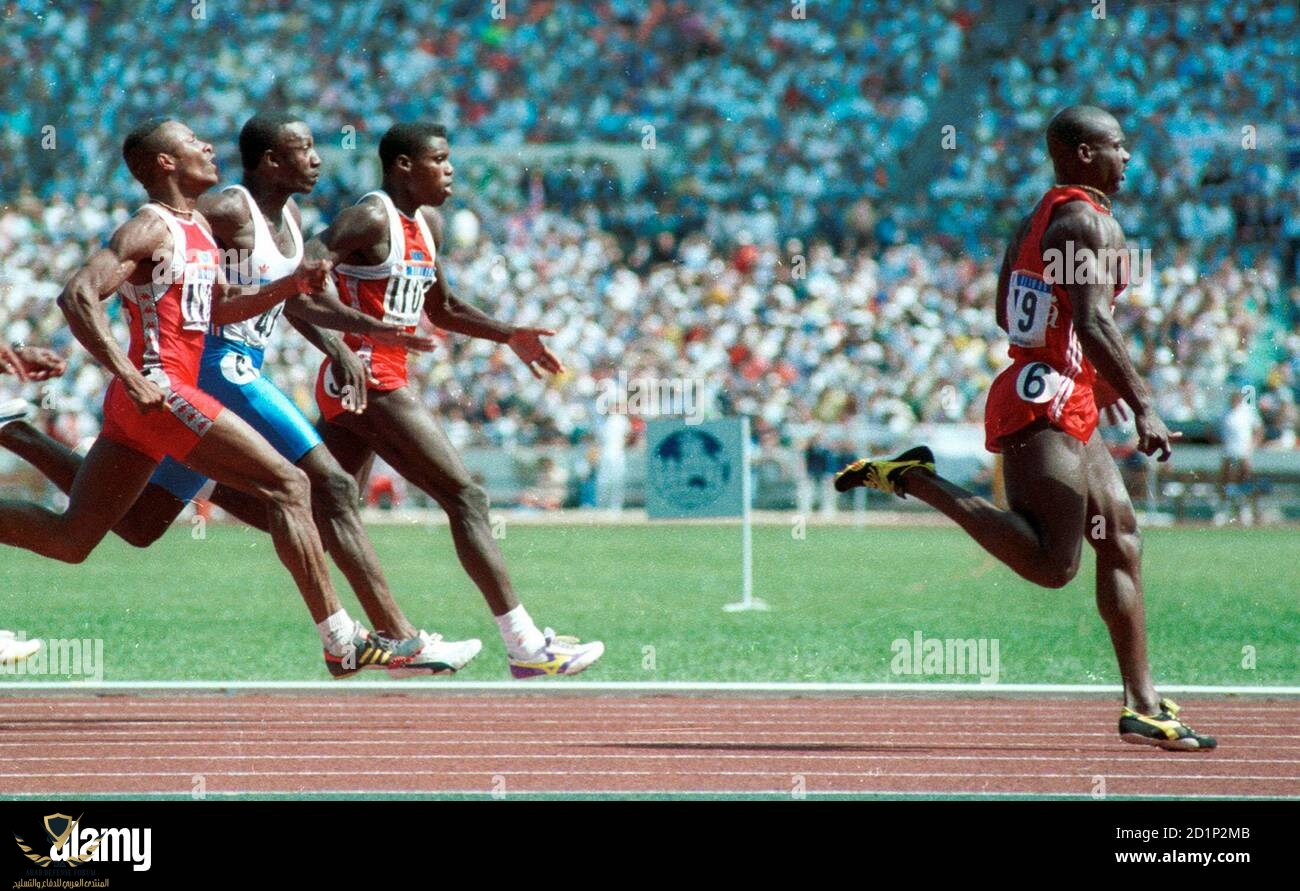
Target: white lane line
[(327, 795), (262, 728), (544, 687), (875, 774), (514, 755)]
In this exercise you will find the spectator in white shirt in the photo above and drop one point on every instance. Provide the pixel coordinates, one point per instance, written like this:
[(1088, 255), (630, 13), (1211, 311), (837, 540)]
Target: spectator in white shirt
[(1241, 432)]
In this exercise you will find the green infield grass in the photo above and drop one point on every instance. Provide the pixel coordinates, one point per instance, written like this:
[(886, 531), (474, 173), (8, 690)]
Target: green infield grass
[(1223, 605)]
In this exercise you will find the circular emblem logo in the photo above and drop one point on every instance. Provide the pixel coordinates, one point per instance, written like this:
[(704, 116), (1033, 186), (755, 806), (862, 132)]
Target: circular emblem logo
[(238, 368), (159, 378), (332, 388), (693, 469), (1038, 382)]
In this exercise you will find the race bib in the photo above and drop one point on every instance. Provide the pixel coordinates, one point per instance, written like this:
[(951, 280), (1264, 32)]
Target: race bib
[(1038, 382), (265, 324), (404, 297), (196, 290), (1029, 306)]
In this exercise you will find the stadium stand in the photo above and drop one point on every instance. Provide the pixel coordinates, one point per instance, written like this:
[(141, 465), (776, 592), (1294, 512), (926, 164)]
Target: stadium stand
[(782, 252)]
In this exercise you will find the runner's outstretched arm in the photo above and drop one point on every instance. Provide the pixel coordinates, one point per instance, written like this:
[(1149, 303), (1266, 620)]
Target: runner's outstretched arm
[(234, 303), (447, 311), (324, 310)]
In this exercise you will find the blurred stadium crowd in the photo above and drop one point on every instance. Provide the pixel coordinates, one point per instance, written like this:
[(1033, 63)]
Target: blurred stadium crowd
[(777, 251)]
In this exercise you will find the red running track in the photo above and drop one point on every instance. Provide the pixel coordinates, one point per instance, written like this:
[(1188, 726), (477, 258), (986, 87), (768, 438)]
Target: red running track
[(304, 744)]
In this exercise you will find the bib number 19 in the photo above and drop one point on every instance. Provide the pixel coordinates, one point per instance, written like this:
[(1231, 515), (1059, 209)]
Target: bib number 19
[(1029, 306)]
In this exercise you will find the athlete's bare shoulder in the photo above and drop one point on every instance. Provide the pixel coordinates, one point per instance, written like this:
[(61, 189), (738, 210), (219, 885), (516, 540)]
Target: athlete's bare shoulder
[(1083, 225), (370, 209), (140, 237), (134, 249), (224, 206), (359, 234), (291, 208), (226, 213)]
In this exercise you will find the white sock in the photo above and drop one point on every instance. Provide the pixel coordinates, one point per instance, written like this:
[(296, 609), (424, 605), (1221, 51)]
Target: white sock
[(337, 631), (523, 639)]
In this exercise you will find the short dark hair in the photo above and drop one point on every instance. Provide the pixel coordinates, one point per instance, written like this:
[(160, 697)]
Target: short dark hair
[(407, 139), (142, 141), (259, 133), (1076, 124)]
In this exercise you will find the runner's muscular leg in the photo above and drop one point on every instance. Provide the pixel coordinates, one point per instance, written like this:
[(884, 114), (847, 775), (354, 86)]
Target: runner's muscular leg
[(348, 450), (110, 479), (351, 450), (1041, 535), (406, 435), (338, 518), (1114, 535), (334, 509), (148, 518), (233, 453), (246, 508)]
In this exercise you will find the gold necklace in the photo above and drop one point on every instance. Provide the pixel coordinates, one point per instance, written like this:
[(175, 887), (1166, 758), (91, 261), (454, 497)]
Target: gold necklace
[(175, 210), (1101, 196)]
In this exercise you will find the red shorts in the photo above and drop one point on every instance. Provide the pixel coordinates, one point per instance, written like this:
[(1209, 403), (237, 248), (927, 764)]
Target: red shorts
[(173, 431), (330, 397), (1032, 391)]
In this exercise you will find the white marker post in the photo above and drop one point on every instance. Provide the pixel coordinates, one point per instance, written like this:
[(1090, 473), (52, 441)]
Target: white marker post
[(702, 469), (747, 601)]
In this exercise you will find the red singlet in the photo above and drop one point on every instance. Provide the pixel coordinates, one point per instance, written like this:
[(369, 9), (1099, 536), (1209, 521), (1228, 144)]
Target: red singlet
[(168, 318), (392, 291), (1049, 376)]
